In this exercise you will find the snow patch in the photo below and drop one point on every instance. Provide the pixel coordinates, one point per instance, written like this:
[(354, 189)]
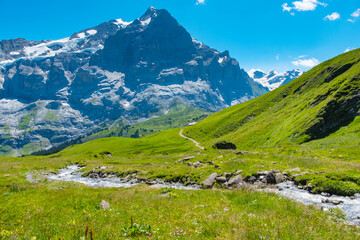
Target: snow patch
[(146, 22), (121, 23), (81, 35), (14, 53), (91, 32)]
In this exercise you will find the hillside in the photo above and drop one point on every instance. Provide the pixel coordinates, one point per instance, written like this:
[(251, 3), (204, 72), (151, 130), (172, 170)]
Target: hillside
[(310, 107)]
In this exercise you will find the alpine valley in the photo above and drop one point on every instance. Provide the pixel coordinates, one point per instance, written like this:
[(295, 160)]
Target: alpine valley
[(113, 74), (140, 154)]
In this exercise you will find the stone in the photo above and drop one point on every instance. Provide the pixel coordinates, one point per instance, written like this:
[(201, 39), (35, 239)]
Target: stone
[(227, 175), (221, 179), (241, 153), (252, 179), (238, 172), (262, 173), (270, 178), (295, 170), (209, 181), (216, 166), (336, 202), (185, 159), (104, 205), (224, 145), (197, 164), (279, 178), (235, 180), (325, 194), (7, 175), (210, 163)]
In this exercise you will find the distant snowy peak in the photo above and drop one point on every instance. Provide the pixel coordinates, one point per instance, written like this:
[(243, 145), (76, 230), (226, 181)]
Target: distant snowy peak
[(274, 79)]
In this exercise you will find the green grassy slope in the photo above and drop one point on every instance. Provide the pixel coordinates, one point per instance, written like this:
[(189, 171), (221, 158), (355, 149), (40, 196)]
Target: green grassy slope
[(179, 115), (311, 107)]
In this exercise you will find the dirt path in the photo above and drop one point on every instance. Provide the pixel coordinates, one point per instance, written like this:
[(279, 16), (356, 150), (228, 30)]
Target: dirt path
[(196, 143)]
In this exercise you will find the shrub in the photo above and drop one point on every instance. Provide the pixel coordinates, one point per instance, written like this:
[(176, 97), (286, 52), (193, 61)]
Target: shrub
[(224, 145)]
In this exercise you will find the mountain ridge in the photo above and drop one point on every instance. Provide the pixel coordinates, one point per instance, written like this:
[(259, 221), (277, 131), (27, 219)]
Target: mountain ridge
[(274, 79)]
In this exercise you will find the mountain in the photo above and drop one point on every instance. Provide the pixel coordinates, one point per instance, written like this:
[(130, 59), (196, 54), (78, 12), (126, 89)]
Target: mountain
[(323, 102), (55, 90), (274, 79)]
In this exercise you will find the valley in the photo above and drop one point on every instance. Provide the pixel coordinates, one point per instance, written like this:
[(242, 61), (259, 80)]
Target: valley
[(136, 130)]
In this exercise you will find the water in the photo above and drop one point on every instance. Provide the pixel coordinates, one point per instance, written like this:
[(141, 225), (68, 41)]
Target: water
[(351, 207), (71, 174)]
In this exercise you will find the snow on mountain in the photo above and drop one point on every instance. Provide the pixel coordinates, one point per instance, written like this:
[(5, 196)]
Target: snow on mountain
[(274, 79)]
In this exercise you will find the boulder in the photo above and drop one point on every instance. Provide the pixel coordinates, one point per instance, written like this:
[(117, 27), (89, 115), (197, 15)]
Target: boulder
[(251, 179), (238, 172), (104, 205), (224, 145), (209, 181), (279, 178), (221, 179), (270, 178), (235, 180)]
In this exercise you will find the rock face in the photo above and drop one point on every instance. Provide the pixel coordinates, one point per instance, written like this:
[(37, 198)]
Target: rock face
[(51, 91), (274, 79)]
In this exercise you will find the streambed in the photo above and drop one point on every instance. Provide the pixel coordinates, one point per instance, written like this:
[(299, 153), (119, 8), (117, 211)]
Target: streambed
[(351, 207), (71, 174)]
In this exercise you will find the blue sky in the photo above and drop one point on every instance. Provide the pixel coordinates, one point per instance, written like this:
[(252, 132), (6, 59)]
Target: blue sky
[(265, 34)]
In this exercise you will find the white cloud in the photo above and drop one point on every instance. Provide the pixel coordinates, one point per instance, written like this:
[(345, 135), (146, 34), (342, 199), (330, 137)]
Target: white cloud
[(355, 15), (348, 50), (332, 17), (200, 2), (308, 63), (303, 5), (286, 7), (277, 57)]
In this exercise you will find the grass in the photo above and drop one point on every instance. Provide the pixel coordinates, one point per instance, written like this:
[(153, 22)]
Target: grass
[(25, 121), (311, 107), (63, 210), (51, 116), (300, 125), (179, 115)]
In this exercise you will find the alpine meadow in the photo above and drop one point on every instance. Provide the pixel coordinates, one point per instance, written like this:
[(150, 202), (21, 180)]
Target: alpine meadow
[(138, 130)]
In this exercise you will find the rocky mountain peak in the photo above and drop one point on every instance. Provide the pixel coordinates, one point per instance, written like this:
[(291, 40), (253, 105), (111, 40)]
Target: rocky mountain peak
[(56, 90), (274, 79)]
